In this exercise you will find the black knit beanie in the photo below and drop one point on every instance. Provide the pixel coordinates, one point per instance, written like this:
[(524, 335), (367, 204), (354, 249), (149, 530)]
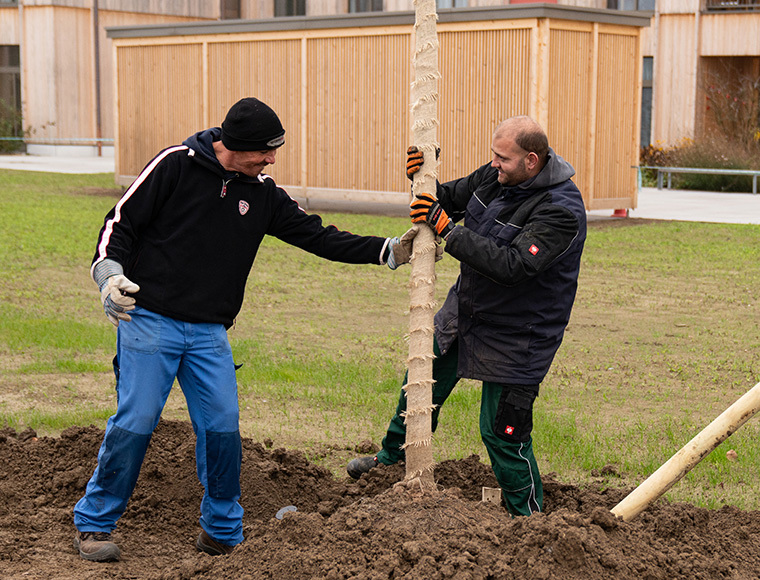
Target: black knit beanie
[(251, 125)]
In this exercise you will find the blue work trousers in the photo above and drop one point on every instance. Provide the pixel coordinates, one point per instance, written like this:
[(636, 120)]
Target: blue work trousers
[(153, 350)]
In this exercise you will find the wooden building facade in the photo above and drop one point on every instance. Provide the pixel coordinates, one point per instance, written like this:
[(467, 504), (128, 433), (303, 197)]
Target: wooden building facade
[(693, 45), (67, 65), (341, 87), (57, 63)]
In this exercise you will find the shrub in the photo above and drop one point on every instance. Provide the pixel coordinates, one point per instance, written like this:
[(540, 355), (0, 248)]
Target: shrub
[(732, 105), (718, 153), (728, 139), (653, 155), (10, 126)]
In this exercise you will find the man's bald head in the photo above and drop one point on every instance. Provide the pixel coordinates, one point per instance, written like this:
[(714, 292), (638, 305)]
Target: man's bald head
[(526, 133), (520, 150)]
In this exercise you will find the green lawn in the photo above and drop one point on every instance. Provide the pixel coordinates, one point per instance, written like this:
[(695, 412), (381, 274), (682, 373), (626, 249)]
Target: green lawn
[(664, 336)]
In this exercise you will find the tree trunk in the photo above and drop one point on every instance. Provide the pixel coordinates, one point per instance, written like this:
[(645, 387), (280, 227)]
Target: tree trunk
[(419, 387)]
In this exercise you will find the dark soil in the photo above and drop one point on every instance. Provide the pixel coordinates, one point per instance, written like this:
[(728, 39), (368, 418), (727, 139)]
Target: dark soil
[(343, 529)]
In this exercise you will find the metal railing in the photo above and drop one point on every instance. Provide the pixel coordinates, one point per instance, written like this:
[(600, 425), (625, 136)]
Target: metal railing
[(61, 141), (667, 172), (732, 5)]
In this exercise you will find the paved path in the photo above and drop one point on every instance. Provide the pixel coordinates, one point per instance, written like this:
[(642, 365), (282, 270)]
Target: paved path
[(694, 206), (58, 164), (700, 206)]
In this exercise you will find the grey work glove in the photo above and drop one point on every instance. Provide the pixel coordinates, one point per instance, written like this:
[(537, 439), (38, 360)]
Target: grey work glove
[(401, 248), (116, 302)]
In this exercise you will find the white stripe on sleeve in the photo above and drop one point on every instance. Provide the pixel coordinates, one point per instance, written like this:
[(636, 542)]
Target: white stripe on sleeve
[(106, 238)]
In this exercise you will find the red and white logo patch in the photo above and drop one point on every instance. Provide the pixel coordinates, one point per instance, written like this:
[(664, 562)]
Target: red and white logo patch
[(533, 249), (509, 430), (243, 206)]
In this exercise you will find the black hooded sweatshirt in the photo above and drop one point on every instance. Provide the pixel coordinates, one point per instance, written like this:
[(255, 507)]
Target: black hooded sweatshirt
[(187, 232)]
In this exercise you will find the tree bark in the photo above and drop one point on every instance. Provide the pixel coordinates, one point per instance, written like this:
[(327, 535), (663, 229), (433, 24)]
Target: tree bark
[(419, 387)]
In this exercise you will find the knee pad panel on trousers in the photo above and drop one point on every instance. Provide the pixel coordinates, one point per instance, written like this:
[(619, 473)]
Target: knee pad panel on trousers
[(120, 462), (224, 454), (514, 415)]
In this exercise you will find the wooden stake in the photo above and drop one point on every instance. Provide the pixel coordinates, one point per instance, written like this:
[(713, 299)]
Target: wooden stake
[(689, 455)]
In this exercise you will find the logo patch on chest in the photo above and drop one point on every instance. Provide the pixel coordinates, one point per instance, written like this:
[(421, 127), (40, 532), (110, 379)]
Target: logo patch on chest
[(533, 249), (243, 206)]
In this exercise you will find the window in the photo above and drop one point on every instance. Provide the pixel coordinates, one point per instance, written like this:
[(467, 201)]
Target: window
[(290, 7), (10, 92), (229, 9), (647, 75), (631, 4), (365, 5), (9, 57), (451, 3), (733, 5)]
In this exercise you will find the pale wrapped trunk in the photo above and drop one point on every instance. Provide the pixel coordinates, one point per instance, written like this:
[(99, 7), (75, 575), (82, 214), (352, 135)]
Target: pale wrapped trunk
[(419, 387)]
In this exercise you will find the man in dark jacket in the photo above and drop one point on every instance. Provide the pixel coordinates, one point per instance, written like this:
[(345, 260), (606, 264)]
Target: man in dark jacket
[(172, 261), (520, 248)]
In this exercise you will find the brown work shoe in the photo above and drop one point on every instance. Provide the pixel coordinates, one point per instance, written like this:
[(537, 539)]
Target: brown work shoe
[(96, 546), (206, 543)]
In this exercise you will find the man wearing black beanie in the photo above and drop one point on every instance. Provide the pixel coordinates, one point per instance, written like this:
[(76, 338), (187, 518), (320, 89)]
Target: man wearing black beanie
[(240, 134), (171, 263)]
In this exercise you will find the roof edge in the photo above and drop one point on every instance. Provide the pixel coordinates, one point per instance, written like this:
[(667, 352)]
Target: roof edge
[(285, 23)]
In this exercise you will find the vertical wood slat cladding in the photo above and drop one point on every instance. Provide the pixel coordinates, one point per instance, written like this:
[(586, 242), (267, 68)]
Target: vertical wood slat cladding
[(343, 96), (617, 113), (571, 53), (58, 98), (730, 34), (358, 112), (270, 71), (675, 74), (485, 79), (9, 25), (107, 73), (59, 70), (158, 89)]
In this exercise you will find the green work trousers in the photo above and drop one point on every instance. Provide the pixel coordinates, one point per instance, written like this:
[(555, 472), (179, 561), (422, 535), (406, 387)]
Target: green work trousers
[(506, 421)]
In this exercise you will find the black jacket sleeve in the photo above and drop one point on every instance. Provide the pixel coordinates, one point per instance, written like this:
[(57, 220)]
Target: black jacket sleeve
[(548, 233), (137, 208), (455, 195), (306, 231)]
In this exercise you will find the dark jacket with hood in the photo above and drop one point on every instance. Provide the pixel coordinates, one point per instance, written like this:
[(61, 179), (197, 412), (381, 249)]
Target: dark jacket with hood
[(520, 251), (187, 232)]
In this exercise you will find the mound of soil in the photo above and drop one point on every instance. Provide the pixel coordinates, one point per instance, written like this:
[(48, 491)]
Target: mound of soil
[(343, 529)]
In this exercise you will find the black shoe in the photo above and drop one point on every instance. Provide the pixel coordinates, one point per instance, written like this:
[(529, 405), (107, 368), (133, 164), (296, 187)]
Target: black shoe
[(206, 543), (96, 547), (356, 467)]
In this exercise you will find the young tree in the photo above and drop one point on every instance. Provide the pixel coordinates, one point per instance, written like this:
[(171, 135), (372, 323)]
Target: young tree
[(419, 387)]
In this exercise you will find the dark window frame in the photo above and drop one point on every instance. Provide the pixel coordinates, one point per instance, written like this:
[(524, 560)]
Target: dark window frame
[(643, 5), (289, 8), (647, 76), (446, 4), (356, 6), (229, 9)]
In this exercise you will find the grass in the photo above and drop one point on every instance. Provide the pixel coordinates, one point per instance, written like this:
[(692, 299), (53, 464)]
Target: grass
[(664, 336)]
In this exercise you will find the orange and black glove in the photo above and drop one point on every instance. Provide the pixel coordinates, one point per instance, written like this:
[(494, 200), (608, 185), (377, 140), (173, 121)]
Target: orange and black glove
[(425, 208), (415, 159)]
